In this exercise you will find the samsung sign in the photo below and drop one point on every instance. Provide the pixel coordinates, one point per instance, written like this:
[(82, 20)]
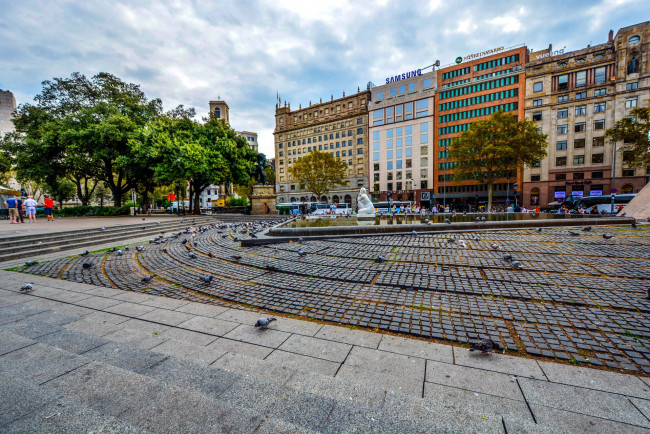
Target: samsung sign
[(404, 76)]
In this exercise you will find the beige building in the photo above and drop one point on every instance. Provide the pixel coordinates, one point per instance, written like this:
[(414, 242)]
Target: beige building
[(401, 137), (574, 97), (7, 108), (339, 127)]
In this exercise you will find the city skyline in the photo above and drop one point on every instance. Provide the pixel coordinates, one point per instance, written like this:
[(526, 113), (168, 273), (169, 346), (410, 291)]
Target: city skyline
[(192, 53)]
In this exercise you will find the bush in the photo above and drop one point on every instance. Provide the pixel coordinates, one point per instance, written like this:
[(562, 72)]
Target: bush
[(85, 211), (283, 210), (237, 201)]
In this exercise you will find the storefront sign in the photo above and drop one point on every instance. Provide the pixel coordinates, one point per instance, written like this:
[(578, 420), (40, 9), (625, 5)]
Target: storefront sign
[(596, 193), (403, 76), (545, 53), (560, 194), (425, 195)]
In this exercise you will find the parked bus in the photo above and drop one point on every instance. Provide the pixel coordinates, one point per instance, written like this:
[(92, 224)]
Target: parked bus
[(294, 207), (604, 203), (385, 207)]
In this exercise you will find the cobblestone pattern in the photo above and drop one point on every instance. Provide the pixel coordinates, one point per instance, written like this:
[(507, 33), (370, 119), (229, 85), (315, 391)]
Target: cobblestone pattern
[(577, 298)]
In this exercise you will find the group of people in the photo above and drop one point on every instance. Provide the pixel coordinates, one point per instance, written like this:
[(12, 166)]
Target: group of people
[(17, 207)]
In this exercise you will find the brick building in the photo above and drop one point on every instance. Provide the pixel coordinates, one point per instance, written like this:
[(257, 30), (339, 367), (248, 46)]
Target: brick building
[(574, 97), (470, 90)]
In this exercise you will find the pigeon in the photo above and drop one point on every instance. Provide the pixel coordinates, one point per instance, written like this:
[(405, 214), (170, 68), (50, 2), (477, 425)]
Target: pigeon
[(212, 255), (236, 257), (483, 219), (30, 263), (586, 229), (87, 265), (184, 241), (263, 323), (148, 278), (461, 243), (477, 219), (607, 236), (27, 287), (633, 225), (517, 265), (86, 253), (452, 239), (573, 233), (252, 235), (447, 221), (165, 249), (139, 248), (475, 238), (380, 259), (539, 229), (103, 228), (301, 252), (272, 268), (426, 220), (207, 279), (142, 219), (507, 257), (119, 252), (624, 214), (485, 346), (127, 248), (495, 246), (191, 255), (415, 232)]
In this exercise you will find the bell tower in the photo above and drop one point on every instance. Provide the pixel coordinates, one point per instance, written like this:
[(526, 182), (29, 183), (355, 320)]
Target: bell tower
[(220, 110)]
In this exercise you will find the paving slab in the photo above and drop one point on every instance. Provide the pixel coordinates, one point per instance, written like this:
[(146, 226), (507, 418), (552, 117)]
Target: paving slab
[(642, 404), (93, 327), (11, 342), (315, 347), (167, 317), (72, 341), (573, 422), (125, 357), (417, 348), (165, 302), (30, 328), (587, 402), (40, 363), (19, 397), (473, 379), (296, 326), (131, 309), (201, 309), (136, 338), (396, 372), (307, 363), (243, 365), (354, 337), (188, 336), (106, 318), (269, 337), (596, 379), (198, 354), (496, 362), (98, 303), (131, 297), (241, 316), (243, 348), (144, 326), (213, 326)]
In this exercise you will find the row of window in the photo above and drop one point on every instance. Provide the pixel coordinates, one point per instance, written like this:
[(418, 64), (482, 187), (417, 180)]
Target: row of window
[(456, 73), (579, 160), (453, 129), (485, 111), (400, 112), (496, 62), (398, 186), (444, 142), (492, 84), (561, 145), (510, 93), (581, 127), (401, 89), (327, 112)]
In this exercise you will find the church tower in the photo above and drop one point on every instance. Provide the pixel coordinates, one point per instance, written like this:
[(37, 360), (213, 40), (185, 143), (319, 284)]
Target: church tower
[(220, 110)]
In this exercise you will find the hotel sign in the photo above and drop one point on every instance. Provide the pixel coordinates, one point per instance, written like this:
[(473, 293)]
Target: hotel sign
[(537, 55), (403, 76), (480, 54)]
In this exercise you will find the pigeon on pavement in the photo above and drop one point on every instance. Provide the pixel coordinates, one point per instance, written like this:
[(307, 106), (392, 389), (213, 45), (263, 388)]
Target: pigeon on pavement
[(539, 229), (30, 263), (191, 255), (263, 323), (485, 346), (573, 233), (507, 257), (207, 279), (119, 252), (301, 252), (87, 265), (517, 265), (586, 229), (148, 278), (607, 236), (447, 221), (27, 287), (380, 259), (86, 253)]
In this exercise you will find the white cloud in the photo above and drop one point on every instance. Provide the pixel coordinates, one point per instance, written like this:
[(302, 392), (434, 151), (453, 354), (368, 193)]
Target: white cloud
[(506, 24)]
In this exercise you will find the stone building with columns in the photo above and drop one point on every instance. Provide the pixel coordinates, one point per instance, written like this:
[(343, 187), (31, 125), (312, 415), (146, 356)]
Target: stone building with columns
[(574, 97), (338, 126)]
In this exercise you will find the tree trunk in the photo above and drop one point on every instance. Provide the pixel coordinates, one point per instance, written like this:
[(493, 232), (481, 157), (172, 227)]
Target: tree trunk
[(490, 186), (197, 207), (190, 207), (82, 193)]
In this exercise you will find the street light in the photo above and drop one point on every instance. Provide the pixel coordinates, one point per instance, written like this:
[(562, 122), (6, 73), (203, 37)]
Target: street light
[(613, 189), (178, 206), (508, 192), (515, 186), (444, 182)]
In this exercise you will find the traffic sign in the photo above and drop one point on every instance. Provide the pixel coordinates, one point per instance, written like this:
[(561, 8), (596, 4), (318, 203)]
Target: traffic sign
[(613, 190), (507, 200)]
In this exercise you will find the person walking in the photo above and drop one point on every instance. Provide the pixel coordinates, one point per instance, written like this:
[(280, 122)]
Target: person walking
[(30, 205), (12, 204), (20, 211), (48, 205)]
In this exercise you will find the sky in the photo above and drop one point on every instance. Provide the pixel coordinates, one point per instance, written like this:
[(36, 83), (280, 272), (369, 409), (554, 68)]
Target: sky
[(246, 52)]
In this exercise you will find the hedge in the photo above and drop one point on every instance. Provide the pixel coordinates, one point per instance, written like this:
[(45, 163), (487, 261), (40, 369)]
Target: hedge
[(83, 211)]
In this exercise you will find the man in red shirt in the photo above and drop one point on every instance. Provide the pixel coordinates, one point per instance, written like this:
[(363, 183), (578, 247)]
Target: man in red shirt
[(48, 204)]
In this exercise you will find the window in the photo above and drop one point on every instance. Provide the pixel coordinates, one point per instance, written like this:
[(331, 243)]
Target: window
[(375, 156), (597, 159), (359, 131), (628, 156), (560, 161), (537, 116), (599, 124), (599, 107), (580, 127), (389, 165), (389, 143), (560, 176), (537, 102), (389, 155), (562, 129), (598, 141), (627, 172), (375, 166), (561, 145), (375, 146), (537, 163), (398, 142), (563, 114), (579, 159), (426, 83), (398, 153), (402, 89), (538, 87), (409, 130), (359, 141), (630, 103), (411, 87), (581, 95), (599, 75), (563, 82), (392, 92), (578, 175), (409, 152), (596, 175), (379, 96), (600, 92), (424, 138), (563, 98), (578, 143), (631, 86), (581, 78), (581, 110), (534, 178)]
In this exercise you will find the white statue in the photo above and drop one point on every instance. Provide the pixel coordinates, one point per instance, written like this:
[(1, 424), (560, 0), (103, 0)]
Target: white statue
[(366, 208)]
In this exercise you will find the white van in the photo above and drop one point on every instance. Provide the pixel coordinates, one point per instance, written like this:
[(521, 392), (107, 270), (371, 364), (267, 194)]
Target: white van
[(341, 208)]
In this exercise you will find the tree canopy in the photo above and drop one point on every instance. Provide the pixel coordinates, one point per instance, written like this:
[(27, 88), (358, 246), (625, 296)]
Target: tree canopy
[(634, 132), (319, 172), (494, 147)]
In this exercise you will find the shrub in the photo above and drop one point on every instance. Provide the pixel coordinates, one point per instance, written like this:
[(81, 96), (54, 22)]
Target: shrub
[(237, 201), (85, 211), (283, 210)]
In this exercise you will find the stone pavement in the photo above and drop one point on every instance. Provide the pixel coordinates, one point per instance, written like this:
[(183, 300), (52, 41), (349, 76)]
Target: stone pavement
[(78, 357), (71, 223), (579, 298)]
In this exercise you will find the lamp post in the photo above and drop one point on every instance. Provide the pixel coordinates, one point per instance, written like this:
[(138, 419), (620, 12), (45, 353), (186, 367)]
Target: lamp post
[(508, 192), (444, 182), (515, 186), (613, 189), (178, 206)]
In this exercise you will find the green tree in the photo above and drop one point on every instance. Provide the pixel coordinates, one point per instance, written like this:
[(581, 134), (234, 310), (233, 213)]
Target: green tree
[(270, 175), (634, 132), (102, 193), (60, 189), (494, 147), (5, 167), (80, 129), (319, 172)]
